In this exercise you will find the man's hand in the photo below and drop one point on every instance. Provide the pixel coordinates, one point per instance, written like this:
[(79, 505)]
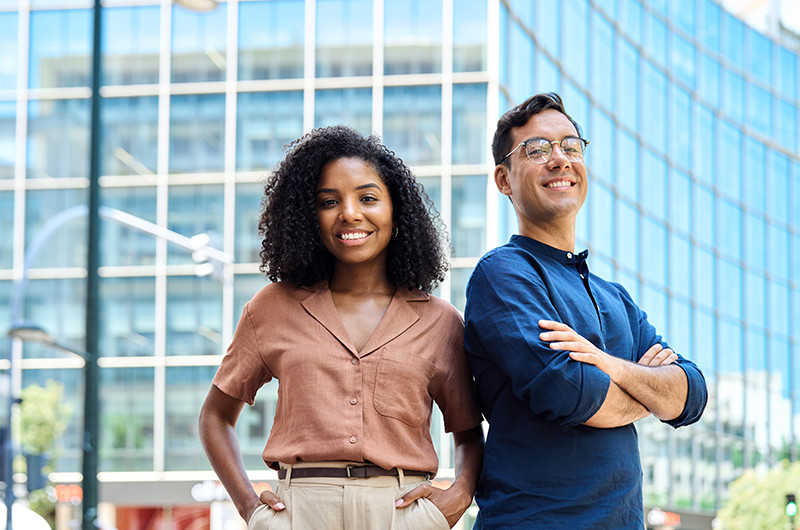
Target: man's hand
[(451, 502), (563, 337), (657, 355)]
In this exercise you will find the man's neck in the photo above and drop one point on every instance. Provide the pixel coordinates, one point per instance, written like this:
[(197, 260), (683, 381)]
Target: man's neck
[(556, 237)]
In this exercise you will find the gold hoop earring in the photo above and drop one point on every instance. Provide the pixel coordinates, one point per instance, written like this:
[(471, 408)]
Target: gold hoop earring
[(395, 231)]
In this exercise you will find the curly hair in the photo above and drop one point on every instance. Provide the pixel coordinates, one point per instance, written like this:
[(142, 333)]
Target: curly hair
[(292, 249)]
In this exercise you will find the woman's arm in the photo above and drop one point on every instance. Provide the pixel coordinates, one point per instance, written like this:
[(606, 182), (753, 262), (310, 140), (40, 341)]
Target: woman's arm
[(218, 435), (455, 500)]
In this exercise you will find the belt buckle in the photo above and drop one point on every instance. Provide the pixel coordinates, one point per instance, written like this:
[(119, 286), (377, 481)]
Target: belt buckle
[(349, 468)]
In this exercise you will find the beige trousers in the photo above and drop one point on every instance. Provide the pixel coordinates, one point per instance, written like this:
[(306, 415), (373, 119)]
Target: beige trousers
[(347, 504)]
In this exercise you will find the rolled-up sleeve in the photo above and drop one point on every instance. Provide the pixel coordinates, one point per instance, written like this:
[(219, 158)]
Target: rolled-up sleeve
[(697, 390), (506, 302)]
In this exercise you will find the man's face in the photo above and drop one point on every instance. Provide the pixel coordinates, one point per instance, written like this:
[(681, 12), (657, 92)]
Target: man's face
[(547, 194)]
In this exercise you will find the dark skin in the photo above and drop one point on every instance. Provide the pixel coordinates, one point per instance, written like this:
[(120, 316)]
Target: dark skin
[(355, 216)]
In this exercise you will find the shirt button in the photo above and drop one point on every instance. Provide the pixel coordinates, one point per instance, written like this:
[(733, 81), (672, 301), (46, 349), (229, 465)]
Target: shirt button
[(569, 255), (582, 278), (354, 361), (353, 401), (353, 439)]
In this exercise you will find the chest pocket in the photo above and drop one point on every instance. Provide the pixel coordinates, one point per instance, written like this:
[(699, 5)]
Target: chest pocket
[(401, 387)]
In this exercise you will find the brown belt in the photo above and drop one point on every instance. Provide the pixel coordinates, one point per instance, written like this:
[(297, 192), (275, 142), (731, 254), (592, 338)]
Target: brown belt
[(348, 472)]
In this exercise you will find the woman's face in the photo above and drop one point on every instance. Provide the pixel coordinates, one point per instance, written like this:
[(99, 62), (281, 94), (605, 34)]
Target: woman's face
[(354, 211)]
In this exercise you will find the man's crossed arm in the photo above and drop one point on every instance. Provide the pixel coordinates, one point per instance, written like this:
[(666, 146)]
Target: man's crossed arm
[(654, 385)]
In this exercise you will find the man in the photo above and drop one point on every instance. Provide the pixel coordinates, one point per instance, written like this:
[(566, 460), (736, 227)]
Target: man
[(564, 361)]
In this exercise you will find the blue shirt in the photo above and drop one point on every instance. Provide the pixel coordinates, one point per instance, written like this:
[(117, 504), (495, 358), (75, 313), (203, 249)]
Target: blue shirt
[(542, 467)]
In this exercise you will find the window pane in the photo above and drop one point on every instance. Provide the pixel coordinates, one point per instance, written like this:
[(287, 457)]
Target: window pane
[(602, 55), (131, 331), (412, 123), (469, 124), (185, 202), (186, 390), (469, 36), (412, 36), (60, 48), (194, 317), (271, 39), (130, 45), (654, 241), (68, 445), (348, 106), (58, 306), (759, 109), (344, 38), (199, 45), (64, 244), (729, 290), (267, 121), (729, 223), (7, 228), (248, 211), (126, 435), (121, 244), (8, 139), (58, 138), (626, 98), (468, 228), (627, 236), (654, 185), (575, 37), (733, 95), (130, 136), (8, 43), (197, 133)]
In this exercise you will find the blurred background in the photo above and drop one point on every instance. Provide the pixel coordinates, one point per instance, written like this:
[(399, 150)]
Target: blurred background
[(692, 112)]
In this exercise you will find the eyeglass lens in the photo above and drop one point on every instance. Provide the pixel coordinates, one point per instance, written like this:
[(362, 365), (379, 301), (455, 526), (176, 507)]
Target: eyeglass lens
[(540, 149)]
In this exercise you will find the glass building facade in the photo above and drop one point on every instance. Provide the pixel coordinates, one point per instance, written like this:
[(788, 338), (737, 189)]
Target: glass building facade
[(694, 203)]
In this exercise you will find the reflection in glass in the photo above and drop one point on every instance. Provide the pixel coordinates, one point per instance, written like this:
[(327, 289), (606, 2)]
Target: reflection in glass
[(468, 226), (469, 36), (255, 424), (58, 138), (58, 306), (347, 106), (199, 48), (66, 246), (248, 212), (60, 48), (185, 202), (412, 36), (194, 316), (469, 124), (186, 390), (267, 121), (197, 133), (127, 417), (6, 227), (130, 45), (271, 39), (412, 123), (8, 43), (121, 244), (131, 331), (458, 286), (8, 140), (69, 445), (344, 38), (130, 136)]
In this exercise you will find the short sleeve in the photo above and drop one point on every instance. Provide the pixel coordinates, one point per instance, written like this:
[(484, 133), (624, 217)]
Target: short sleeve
[(243, 371)]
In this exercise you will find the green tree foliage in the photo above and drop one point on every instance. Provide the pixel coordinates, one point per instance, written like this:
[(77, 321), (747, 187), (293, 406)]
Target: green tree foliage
[(757, 500), (43, 417)]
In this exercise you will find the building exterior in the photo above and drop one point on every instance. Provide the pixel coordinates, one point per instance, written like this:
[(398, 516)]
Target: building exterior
[(694, 207)]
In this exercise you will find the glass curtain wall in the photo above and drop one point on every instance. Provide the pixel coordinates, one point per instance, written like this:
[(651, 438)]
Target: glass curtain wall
[(695, 185)]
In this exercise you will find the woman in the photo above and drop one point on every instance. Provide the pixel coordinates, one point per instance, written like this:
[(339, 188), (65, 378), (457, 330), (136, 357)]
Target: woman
[(361, 350)]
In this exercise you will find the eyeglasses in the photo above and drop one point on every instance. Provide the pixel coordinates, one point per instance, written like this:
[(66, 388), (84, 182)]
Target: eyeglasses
[(539, 150)]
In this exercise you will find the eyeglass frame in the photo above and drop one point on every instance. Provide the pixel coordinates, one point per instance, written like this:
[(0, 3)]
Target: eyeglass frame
[(551, 142)]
